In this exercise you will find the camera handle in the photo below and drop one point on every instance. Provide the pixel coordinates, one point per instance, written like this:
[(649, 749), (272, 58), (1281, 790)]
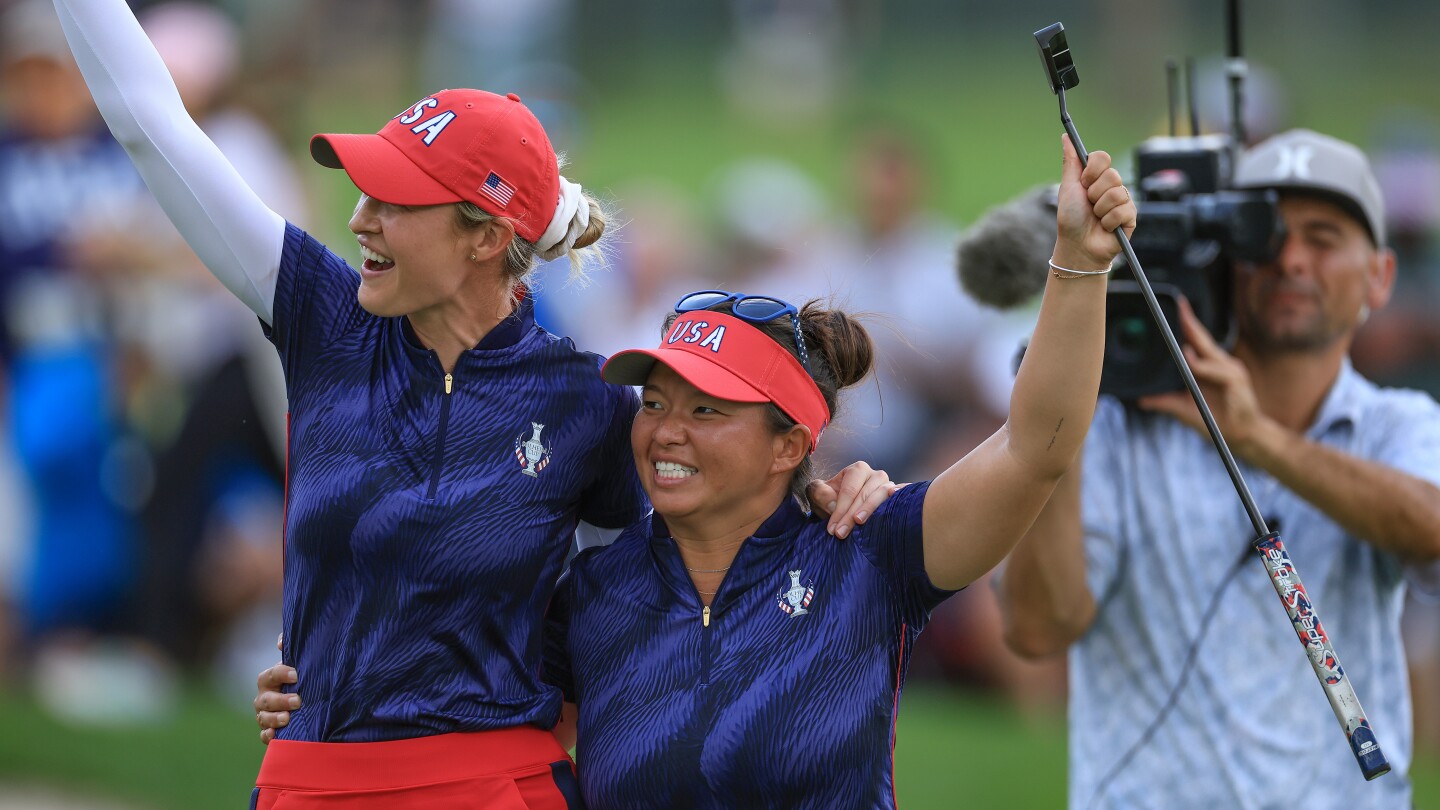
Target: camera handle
[(1060, 69)]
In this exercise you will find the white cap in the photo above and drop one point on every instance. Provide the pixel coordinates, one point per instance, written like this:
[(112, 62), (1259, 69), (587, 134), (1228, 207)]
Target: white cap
[(1308, 162)]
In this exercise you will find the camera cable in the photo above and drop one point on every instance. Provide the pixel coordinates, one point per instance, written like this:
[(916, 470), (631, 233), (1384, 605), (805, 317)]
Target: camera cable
[(1173, 698)]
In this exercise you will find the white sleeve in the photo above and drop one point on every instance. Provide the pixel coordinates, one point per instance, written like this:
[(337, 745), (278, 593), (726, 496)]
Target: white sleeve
[(237, 237)]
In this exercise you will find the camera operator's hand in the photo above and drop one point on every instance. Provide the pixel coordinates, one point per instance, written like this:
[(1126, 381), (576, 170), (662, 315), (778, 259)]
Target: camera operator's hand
[(1092, 203), (1224, 381)]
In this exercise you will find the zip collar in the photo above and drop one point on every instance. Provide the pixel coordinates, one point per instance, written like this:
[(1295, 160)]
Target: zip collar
[(753, 556), (505, 335)]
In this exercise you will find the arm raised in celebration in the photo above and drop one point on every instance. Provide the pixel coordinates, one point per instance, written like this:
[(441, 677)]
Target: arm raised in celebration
[(978, 509), (235, 234)]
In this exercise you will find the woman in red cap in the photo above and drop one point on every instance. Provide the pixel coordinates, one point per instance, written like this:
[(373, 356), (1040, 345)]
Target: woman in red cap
[(443, 448), (725, 652)]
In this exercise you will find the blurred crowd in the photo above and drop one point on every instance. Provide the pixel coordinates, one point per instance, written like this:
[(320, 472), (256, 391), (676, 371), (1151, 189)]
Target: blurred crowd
[(142, 456)]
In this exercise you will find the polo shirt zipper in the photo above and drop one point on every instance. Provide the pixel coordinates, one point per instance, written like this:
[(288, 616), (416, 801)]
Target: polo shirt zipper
[(440, 436), (705, 646)]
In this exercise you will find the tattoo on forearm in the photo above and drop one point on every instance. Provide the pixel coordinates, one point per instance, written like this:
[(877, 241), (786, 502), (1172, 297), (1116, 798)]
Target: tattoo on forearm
[(1056, 434)]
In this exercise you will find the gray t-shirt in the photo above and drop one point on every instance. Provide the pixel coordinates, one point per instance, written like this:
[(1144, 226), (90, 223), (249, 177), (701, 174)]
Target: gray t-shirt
[(1252, 727)]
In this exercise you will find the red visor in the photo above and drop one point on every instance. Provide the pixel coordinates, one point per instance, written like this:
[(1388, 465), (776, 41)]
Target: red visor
[(728, 358)]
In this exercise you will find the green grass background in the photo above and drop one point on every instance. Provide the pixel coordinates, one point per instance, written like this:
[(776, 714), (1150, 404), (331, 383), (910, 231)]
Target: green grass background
[(955, 749)]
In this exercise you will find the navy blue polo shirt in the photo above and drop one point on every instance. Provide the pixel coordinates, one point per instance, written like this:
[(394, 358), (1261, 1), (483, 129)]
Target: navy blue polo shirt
[(787, 697), (427, 519)]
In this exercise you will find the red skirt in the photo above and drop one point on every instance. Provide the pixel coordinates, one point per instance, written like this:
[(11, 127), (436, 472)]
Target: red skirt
[(510, 769)]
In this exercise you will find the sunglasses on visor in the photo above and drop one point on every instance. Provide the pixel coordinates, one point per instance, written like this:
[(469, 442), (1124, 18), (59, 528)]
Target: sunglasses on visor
[(750, 308)]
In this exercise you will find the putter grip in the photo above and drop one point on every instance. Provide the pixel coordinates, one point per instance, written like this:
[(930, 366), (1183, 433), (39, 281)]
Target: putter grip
[(1322, 656)]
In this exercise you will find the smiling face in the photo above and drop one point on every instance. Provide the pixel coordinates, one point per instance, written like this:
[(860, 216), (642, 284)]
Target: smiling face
[(1313, 295), (415, 258), (710, 464)]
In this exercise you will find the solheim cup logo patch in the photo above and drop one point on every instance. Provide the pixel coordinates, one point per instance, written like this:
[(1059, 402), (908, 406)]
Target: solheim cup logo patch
[(796, 599), (532, 454)]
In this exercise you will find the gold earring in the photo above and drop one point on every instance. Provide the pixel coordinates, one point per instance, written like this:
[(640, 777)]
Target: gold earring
[(472, 257)]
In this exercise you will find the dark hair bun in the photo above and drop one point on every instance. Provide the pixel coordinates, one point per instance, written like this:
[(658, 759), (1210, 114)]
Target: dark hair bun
[(840, 341)]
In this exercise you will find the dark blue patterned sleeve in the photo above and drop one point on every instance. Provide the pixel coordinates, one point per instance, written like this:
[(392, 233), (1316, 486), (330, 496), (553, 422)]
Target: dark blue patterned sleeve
[(314, 300), (555, 668), (893, 539), (615, 499)]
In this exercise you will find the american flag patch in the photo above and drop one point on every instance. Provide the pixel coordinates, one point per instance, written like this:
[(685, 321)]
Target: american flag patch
[(497, 189)]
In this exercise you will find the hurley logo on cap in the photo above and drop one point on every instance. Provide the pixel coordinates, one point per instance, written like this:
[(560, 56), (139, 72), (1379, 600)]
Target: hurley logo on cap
[(1304, 161), (1294, 161)]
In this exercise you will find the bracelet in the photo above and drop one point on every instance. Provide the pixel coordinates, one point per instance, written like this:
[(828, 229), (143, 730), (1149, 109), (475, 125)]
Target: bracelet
[(1057, 271)]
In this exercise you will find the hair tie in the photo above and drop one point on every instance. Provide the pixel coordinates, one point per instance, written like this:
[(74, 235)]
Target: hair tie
[(571, 202)]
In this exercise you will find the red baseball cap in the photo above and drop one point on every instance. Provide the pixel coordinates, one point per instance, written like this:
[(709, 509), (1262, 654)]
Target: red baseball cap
[(456, 145), (728, 358)]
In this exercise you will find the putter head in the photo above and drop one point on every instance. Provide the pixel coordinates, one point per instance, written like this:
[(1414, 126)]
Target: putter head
[(1055, 53)]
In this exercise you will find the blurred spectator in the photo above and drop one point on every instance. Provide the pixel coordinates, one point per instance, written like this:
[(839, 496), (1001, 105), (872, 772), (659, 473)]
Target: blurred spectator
[(237, 574), (61, 175), (302, 52), (166, 378), (15, 532), (788, 60), (509, 47), (204, 384), (911, 421), (1401, 347), (775, 231), (897, 264)]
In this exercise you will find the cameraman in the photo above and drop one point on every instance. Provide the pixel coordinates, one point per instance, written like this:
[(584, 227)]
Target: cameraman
[(1126, 572)]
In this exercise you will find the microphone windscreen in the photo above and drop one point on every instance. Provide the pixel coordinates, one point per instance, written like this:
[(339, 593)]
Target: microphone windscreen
[(1002, 258)]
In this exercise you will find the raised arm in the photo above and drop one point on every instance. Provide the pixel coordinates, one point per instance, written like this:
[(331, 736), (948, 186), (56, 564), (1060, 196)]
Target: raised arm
[(237, 237), (977, 510), (1045, 598)]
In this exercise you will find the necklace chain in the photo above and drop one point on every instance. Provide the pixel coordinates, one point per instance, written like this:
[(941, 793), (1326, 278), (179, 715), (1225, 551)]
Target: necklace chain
[(707, 571)]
